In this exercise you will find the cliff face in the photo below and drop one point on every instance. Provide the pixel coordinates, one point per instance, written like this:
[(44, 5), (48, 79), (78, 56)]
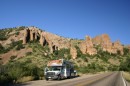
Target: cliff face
[(87, 46), (55, 42), (106, 44)]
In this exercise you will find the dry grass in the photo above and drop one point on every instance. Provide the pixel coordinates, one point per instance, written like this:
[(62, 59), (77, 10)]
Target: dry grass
[(25, 79), (126, 75)]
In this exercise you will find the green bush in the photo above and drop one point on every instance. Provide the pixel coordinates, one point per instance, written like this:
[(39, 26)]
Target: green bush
[(12, 57), (125, 66), (3, 35), (17, 33), (28, 53), (79, 53), (19, 46), (21, 28), (61, 53), (90, 68), (126, 51), (15, 70), (1, 49)]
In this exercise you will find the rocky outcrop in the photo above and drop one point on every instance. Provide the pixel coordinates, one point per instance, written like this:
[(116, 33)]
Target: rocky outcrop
[(54, 42), (34, 33), (106, 44), (118, 48), (87, 46), (73, 52), (25, 36)]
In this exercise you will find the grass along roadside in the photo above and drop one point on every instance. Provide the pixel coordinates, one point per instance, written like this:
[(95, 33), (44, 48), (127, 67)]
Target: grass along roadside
[(126, 75)]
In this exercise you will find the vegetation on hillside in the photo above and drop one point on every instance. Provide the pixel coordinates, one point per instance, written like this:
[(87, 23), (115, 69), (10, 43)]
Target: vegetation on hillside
[(5, 33), (31, 66), (14, 45)]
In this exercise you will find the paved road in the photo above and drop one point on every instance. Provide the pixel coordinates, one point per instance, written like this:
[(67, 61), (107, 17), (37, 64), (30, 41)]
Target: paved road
[(106, 79)]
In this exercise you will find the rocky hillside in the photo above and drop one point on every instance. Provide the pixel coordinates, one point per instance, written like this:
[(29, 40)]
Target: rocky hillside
[(28, 49), (10, 37), (55, 42)]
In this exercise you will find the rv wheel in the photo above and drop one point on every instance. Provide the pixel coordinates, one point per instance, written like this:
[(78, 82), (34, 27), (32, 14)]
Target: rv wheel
[(59, 77), (47, 79)]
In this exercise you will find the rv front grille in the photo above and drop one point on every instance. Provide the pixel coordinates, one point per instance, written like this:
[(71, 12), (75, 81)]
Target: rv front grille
[(50, 73)]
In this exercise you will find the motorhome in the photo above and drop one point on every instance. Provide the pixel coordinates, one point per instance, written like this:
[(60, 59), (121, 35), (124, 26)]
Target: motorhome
[(59, 69)]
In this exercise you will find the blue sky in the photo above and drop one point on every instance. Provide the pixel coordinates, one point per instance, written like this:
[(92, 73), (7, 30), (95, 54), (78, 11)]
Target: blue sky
[(70, 18)]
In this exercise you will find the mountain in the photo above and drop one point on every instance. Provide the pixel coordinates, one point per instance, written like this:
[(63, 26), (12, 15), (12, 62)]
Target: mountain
[(30, 48)]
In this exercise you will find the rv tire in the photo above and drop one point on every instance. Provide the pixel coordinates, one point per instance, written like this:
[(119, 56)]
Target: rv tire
[(59, 77), (46, 79)]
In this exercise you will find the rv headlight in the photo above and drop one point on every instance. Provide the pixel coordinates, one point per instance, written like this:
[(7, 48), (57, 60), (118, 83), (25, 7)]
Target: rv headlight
[(57, 73)]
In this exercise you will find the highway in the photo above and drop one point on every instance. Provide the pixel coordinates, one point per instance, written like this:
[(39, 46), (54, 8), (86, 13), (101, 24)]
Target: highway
[(105, 79)]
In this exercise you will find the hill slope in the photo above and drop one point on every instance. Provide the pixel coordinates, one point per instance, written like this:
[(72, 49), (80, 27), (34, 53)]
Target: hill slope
[(28, 49)]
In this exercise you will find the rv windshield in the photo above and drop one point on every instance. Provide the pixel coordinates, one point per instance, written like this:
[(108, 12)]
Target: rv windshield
[(55, 68)]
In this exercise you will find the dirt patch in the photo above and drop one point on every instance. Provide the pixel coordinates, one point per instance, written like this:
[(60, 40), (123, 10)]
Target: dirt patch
[(21, 53)]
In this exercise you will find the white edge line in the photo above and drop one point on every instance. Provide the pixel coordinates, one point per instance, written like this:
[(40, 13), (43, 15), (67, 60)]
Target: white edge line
[(123, 79)]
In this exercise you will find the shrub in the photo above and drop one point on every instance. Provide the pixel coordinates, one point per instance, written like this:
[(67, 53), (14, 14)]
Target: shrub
[(125, 66), (126, 51), (28, 53), (79, 53), (3, 37), (62, 52), (15, 72), (12, 57), (21, 28), (19, 46), (17, 33), (1, 49)]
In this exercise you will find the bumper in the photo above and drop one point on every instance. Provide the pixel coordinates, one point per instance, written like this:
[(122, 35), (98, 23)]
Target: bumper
[(51, 77)]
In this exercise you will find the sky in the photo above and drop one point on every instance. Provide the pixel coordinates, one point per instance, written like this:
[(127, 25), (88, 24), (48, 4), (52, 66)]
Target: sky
[(70, 18)]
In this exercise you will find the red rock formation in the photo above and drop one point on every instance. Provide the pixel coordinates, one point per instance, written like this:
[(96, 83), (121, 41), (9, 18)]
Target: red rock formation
[(107, 45), (54, 42), (26, 36), (73, 52), (87, 46), (118, 47)]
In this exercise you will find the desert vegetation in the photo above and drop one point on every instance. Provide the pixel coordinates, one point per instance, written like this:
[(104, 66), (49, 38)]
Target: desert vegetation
[(31, 66)]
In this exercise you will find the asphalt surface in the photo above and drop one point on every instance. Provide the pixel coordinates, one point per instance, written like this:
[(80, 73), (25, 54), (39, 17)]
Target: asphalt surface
[(105, 79)]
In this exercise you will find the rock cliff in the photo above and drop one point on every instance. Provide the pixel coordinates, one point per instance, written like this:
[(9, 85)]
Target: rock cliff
[(106, 44), (54, 42), (87, 46)]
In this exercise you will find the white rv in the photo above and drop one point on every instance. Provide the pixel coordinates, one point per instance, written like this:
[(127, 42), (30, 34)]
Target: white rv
[(59, 69)]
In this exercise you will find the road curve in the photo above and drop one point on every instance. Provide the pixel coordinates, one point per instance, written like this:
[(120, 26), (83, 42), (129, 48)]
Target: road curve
[(113, 79), (105, 79)]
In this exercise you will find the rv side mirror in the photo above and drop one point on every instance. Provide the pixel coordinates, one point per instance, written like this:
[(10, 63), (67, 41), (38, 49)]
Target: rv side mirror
[(45, 70)]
